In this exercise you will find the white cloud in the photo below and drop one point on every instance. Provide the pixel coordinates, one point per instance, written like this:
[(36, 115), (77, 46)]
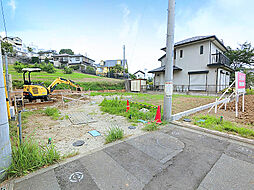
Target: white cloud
[(230, 20), (12, 4)]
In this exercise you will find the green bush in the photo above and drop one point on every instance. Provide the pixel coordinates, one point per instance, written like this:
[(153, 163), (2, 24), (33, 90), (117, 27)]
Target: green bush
[(30, 156), (75, 67), (114, 134), (19, 66), (68, 70), (35, 60), (49, 68)]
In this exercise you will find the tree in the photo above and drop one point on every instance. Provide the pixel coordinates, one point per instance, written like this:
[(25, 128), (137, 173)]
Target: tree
[(35, 60), (46, 60), (242, 56), (7, 48), (29, 49), (66, 51)]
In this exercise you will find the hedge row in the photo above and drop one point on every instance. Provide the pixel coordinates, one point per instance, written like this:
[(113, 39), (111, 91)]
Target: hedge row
[(85, 85)]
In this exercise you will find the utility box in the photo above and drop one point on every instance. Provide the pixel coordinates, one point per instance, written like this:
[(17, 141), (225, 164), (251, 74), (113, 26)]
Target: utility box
[(138, 85)]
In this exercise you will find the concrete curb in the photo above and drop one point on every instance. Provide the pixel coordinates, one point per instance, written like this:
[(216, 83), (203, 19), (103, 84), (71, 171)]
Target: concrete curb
[(217, 133)]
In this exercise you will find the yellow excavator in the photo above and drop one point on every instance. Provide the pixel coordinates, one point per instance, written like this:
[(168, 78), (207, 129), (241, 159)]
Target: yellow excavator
[(34, 91)]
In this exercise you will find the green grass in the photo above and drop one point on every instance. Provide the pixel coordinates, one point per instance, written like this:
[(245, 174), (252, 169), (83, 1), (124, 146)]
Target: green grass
[(118, 107), (30, 156), (50, 76), (47, 78), (215, 123), (54, 113), (146, 96), (114, 134), (153, 126), (250, 91)]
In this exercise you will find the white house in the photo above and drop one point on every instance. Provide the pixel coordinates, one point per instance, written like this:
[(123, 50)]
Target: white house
[(140, 74), (72, 60), (199, 65)]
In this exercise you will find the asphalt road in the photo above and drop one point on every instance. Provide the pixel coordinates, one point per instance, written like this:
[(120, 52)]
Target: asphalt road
[(172, 158)]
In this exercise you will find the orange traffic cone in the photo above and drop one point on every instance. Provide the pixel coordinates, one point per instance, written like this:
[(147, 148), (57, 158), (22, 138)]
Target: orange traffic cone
[(158, 115), (128, 106)]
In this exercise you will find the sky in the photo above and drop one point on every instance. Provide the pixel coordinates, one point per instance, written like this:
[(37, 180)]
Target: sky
[(100, 28)]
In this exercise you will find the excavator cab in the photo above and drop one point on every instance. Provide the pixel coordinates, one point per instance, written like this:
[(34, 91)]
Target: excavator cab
[(33, 91), (30, 90)]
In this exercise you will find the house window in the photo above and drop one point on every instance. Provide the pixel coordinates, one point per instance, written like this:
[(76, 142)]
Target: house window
[(77, 59), (174, 54), (181, 53), (201, 50)]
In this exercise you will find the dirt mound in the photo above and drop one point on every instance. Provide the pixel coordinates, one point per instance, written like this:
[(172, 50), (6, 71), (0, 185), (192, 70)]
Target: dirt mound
[(248, 116)]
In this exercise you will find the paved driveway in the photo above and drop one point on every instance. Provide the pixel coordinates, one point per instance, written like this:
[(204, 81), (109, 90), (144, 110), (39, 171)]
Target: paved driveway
[(172, 158)]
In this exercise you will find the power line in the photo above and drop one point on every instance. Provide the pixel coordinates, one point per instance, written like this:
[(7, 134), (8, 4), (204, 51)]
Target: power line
[(3, 17)]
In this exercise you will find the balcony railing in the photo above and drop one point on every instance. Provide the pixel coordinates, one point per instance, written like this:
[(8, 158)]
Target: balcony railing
[(219, 58)]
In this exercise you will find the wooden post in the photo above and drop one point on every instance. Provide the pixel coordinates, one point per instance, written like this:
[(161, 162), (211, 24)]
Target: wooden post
[(243, 103)]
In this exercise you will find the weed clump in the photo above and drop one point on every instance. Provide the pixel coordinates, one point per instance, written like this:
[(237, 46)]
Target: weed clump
[(114, 134), (151, 127), (30, 156), (215, 123), (53, 112), (118, 107)]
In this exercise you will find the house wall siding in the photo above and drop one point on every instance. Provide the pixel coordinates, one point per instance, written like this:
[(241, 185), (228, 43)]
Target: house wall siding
[(192, 60)]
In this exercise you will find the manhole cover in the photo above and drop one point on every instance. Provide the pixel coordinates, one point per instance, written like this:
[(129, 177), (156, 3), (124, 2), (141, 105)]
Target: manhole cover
[(131, 127), (76, 177), (78, 143)]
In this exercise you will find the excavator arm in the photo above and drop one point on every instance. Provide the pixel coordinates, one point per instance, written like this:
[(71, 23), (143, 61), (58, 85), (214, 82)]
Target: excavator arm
[(60, 80)]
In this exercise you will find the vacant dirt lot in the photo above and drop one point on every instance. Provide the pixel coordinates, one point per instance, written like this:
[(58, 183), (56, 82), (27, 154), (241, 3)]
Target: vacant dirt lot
[(64, 133)]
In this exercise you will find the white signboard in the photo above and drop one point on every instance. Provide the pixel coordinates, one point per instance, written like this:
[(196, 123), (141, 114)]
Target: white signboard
[(240, 82)]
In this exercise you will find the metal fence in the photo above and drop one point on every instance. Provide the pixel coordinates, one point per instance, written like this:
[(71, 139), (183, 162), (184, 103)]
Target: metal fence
[(212, 89)]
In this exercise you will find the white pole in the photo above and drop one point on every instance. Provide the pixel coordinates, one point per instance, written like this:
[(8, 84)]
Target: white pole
[(236, 105), (168, 91), (243, 103), (215, 110), (5, 145)]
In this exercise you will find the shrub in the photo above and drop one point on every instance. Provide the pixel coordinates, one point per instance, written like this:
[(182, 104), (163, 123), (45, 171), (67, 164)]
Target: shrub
[(75, 67), (35, 60), (19, 66), (30, 156), (114, 134), (68, 70), (49, 68)]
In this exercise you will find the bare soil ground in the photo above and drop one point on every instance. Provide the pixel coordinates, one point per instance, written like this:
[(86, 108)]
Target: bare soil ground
[(64, 133)]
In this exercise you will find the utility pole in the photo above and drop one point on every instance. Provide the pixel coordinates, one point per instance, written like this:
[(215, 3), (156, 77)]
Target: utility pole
[(5, 145), (123, 60), (7, 76), (168, 92)]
